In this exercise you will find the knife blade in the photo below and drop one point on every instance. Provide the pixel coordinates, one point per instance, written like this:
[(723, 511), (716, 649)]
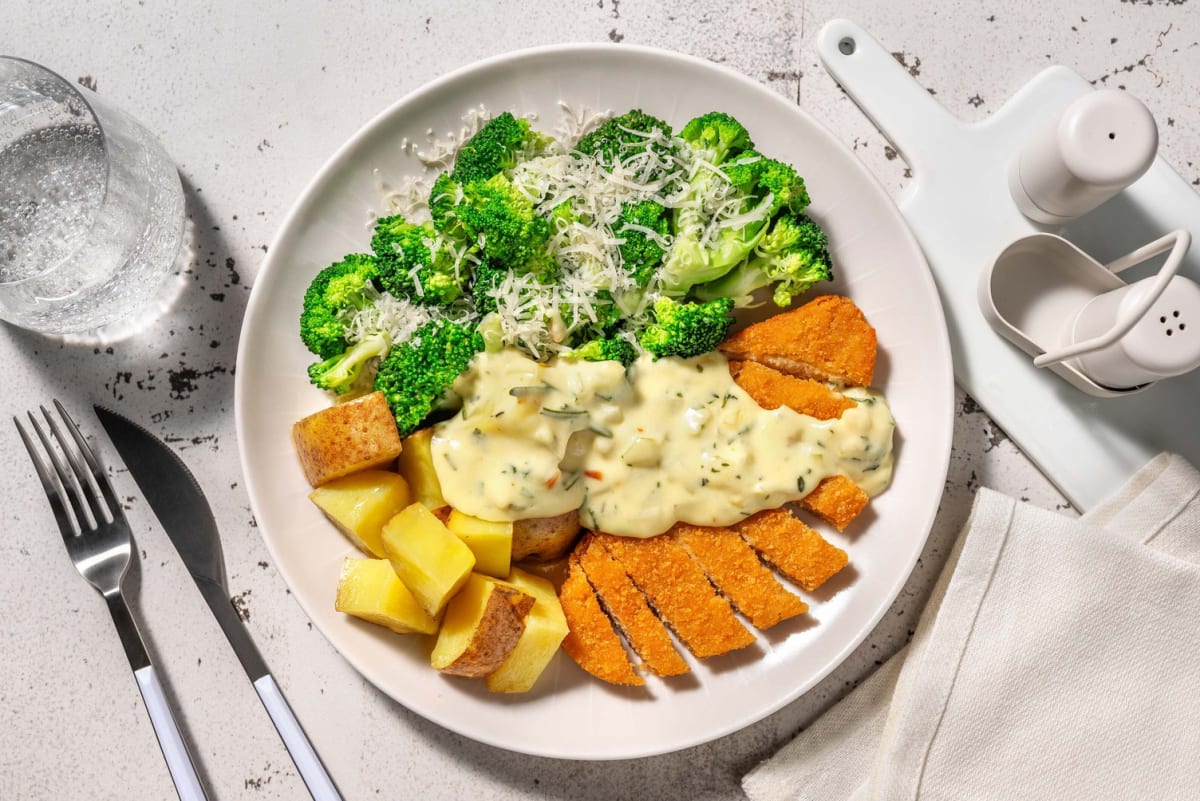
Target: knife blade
[(178, 502)]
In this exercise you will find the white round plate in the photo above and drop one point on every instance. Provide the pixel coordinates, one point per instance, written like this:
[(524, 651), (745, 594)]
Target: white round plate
[(877, 263)]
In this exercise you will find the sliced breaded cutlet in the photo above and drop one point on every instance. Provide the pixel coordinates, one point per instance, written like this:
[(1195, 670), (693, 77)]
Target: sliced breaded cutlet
[(627, 606), (680, 593), (837, 500), (591, 640), (827, 339), (771, 389), (793, 548), (733, 566)]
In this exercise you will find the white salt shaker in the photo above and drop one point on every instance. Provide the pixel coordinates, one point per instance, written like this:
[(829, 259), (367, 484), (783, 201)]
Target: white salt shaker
[(1164, 342), (1102, 143)]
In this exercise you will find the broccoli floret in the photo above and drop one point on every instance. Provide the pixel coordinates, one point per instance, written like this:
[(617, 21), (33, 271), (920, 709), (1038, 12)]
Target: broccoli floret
[(487, 277), (417, 375), (716, 135), (418, 263), (793, 256), (340, 288), (604, 349), (759, 176), (695, 259), (444, 195), (507, 227), (641, 255), (495, 147), (340, 373), (619, 136), (686, 329)]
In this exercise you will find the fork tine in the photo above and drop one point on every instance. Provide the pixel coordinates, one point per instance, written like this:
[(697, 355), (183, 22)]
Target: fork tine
[(53, 492), (98, 473), (74, 481), (64, 476), (77, 469)]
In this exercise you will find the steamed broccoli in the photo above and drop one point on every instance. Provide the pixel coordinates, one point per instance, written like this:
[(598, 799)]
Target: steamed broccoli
[(444, 195), (418, 263), (686, 329), (618, 137), (642, 254), (340, 373), (487, 278), (417, 375), (495, 147), (337, 290), (507, 227), (696, 255), (605, 349), (758, 176), (793, 255)]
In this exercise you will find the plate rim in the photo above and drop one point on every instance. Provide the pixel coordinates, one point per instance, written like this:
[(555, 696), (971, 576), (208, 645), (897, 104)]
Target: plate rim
[(333, 162)]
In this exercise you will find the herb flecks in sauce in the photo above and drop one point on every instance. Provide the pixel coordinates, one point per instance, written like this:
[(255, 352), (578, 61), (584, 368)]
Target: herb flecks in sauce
[(636, 452)]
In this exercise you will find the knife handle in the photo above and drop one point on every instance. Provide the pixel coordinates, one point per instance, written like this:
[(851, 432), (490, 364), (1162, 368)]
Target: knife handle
[(320, 785), (179, 762)]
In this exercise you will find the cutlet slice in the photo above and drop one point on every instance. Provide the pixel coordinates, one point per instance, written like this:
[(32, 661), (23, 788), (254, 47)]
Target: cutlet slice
[(591, 640), (771, 389), (680, 593), (627, 606), (837, 500), (735, 569), (793, 548), (827, 339)]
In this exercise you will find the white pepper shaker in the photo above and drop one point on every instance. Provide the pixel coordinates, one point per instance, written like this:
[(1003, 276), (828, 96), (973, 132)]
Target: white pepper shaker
[(1102, 143)]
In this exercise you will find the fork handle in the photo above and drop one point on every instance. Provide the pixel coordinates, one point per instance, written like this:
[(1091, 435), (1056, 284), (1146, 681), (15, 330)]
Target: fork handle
[(179, 761), (316, 778)]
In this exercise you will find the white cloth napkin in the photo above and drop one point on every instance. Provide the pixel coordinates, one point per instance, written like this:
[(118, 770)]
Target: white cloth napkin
[(1057, 659)]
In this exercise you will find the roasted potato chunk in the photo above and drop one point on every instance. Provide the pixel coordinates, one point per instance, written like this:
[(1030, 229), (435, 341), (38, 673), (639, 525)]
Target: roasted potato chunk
[(431, 561), (416, 465), (491, 542), (545, 538), (361, 503), (371, 590), (545, 629), (346, 438), (482, 626)]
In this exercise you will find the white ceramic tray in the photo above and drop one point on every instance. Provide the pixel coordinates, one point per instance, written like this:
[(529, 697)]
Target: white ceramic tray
[(960, 209)]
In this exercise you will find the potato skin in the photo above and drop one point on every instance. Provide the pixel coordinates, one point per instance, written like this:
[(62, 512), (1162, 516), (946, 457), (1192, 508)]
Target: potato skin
[(343, 439), (545, 538), (482, 626)]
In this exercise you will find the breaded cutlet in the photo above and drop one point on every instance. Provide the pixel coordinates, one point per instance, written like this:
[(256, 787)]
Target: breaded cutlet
[(627, 607), (732, 565), (680, 593), (837, 500), (771, 389), (793, 548), (827, 339), (591, 640)]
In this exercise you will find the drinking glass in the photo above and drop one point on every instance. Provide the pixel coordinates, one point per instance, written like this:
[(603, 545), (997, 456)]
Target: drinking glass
[(91, 208)]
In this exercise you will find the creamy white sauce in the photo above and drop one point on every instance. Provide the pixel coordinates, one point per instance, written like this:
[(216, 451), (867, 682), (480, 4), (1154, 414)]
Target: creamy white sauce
[(672, 439)]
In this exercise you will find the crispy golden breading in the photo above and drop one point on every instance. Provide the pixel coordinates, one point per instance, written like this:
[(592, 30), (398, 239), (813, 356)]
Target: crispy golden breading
[(591, 640), (793, 548), (735, 569), (771, 389), (680, 593), (627, 606), (827, 339), (837, 500)]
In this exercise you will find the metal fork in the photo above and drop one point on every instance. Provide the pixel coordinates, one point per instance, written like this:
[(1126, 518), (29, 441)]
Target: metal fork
[(99, 542)]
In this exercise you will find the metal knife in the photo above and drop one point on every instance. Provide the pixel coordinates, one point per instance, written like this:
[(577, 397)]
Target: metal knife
[(179, 503)]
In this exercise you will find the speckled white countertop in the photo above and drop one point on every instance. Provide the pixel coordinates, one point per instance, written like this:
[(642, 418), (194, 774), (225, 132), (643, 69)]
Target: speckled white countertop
[(250, 98)]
